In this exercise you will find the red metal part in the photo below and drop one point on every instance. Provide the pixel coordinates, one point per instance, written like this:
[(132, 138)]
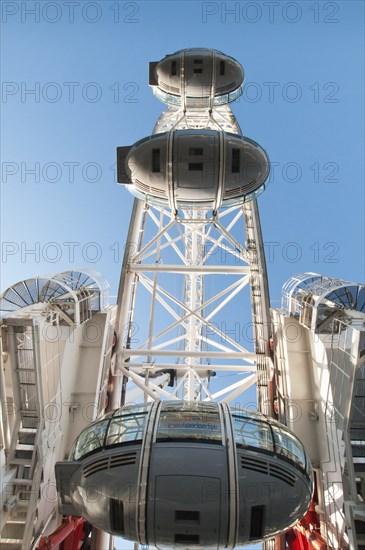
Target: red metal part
[(305, 535), (69, 534)]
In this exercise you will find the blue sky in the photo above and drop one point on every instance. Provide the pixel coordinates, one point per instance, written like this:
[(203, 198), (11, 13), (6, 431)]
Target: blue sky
[(87, 64), (91, 94)]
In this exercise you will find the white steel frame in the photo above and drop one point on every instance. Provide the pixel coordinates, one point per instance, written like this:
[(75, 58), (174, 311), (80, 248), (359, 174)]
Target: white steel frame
[(192, 237)]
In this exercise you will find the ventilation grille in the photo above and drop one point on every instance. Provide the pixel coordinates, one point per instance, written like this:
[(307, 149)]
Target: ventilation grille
[(117, 516), (283, 475), (172, 89), (157, 191), (109, 462), (187, 515), (239, 191), (195, 166), (122, 460), (186, 539), (96, 466), (254, 464), (273, 470), (148, 189), (233, 192)]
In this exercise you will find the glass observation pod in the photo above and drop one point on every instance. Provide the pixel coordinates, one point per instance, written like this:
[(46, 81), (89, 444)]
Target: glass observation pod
[(185, 168), (197, 75), (318, 300), (187, 474)]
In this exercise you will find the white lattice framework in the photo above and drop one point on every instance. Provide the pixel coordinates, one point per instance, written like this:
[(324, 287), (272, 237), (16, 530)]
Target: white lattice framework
[(176, 262)]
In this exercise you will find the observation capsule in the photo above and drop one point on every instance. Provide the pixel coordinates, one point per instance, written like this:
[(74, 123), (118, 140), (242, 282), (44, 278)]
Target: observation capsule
[(186, 168), (178, 474), (195, 77)]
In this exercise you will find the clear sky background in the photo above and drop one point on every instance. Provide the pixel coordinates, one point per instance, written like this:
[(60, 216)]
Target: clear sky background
[(75, 86)]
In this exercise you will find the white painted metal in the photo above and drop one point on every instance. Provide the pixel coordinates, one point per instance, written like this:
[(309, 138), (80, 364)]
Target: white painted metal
[(180, 273), (187, 247), (320, 375), (54, 377)]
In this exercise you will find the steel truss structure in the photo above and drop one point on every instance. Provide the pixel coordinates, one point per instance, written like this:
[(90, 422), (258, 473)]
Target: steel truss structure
[(174, 335), (174, 261)]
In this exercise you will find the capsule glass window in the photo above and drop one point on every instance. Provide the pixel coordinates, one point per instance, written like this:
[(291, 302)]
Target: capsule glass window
[(288, 445), (91, 439), (251, 433), (247, 413), (189, 422), (130, 409), (126, 428)]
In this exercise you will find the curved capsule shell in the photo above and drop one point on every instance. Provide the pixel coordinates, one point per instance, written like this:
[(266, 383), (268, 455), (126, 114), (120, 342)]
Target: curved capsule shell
[(182, 480), (194, 167), (197, 73)]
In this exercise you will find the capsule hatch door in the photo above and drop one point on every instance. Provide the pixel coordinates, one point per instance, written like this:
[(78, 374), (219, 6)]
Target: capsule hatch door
[(187, 511), (196, 165)]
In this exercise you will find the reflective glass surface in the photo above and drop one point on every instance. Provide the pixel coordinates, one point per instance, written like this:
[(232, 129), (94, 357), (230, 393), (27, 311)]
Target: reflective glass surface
[(255, 430), (200, 421), (192, 421), (131, 409), (171, 99), (251, 433), (166, 98), (247, 413), (288, 445), (120, 426), (126, 428), (201, 406), (91, 439)]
